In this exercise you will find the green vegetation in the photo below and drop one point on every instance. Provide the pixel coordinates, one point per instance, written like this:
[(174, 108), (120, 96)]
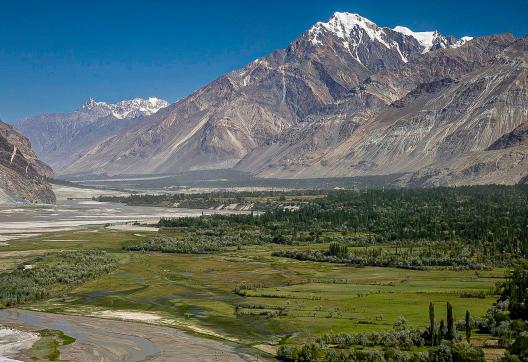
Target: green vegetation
[(87, 239), (394, 275), (256, 298), (395, 349), (47, 275), (448, 254), (509, 315), (401, 343), (197, 243), (238, 200), (468, 327), (486, 224), (47, 347), (494, 216)]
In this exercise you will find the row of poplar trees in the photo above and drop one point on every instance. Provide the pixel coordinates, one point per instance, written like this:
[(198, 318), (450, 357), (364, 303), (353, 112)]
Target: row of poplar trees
[(443, 332)]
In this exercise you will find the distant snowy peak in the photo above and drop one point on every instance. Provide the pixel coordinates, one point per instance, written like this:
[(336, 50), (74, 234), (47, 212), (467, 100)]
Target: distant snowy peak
[(355, 30), (126, 109), (462, 41), (430, 40), (137, 107), (426, 39)]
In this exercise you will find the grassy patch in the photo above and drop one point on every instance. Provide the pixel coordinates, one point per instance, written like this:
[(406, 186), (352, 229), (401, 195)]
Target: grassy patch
[(47, 347)]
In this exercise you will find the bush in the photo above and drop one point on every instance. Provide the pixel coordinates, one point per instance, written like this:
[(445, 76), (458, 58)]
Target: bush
[(519, 348), (193, 244), (53, 273), (462, 352), (403, 339), (287, 353)]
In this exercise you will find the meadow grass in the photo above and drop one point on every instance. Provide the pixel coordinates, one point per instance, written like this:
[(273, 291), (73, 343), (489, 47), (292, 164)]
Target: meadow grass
[(47, 348), (313, 297), (297, 300)]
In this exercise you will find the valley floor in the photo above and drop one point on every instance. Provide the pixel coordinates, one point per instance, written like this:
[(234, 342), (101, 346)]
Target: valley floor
[(243, 287), (196, 293)]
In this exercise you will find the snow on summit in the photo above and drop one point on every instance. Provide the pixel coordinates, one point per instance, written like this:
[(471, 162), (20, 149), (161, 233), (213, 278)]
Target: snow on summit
[(355, 29), (342, 25), (430, 40), (425, 38), (125, 109)]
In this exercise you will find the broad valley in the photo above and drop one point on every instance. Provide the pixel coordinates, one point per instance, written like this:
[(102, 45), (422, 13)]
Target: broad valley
[(284, 187)]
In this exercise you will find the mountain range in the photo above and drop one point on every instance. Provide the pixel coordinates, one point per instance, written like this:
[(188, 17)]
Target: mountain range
[(61, 138), (346, 98)]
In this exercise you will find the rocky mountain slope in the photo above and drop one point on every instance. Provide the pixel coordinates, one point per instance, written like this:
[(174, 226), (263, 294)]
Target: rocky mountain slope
[(22, 175), (61, 138), (221, 123), (346, 98), (435, 116)]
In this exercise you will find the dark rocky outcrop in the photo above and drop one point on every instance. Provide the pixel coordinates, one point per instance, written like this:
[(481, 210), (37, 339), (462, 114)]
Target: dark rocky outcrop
[(23, 178)]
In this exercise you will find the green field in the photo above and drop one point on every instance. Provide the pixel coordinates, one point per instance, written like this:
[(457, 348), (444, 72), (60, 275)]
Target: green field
[(283, 299)]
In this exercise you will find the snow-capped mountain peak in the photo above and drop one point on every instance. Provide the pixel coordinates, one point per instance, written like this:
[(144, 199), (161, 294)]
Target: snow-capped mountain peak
[(355, 30), (462, 41), (343, 24), (125, 109)]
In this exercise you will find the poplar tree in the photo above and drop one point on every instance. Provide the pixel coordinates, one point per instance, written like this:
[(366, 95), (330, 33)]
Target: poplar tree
[(441, 331), (468, 327), (432, 322), (450, 323)]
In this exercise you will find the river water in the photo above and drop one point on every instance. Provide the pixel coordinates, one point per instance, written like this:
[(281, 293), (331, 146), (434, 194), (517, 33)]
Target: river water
[(133, 347), (110, 340)]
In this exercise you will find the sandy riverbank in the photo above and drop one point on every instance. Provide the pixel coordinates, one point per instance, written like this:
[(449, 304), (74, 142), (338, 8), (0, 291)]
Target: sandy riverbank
[(100, 339), (14, 342)]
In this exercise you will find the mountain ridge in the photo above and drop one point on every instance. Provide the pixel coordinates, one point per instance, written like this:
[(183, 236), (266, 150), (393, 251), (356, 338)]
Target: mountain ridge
[(279, 90), (60, 138), (346, 98)]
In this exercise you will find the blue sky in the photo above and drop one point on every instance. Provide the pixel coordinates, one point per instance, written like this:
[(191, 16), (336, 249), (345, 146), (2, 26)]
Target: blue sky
[(55, 54)]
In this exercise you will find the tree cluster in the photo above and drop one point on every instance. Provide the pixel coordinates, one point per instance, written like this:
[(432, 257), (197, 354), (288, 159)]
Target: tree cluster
[(47, 275)]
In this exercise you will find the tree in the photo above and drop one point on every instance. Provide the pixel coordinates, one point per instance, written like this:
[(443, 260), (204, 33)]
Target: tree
[(450, 335), (515, 289), (432, 323), (519, 347), (441, 331), (338, 250), (466, 353), (308, 353), (468, 327)]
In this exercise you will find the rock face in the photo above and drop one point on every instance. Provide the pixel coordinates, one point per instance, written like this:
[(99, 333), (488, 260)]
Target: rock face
[(61, 138), (346, 98), (517, 137), (455, 103), (22, 175)]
